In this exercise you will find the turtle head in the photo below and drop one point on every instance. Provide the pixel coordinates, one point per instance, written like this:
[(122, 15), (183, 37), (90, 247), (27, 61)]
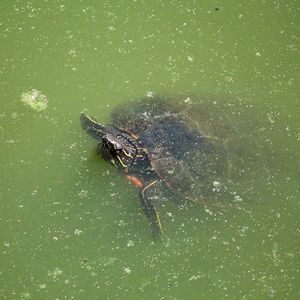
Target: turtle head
[(93, 128), (116, 149), (115, 145)]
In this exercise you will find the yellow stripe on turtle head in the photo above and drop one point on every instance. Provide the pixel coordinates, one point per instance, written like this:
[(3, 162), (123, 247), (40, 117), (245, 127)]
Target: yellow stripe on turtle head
[(126, 153), (113, 162), (121, 162)]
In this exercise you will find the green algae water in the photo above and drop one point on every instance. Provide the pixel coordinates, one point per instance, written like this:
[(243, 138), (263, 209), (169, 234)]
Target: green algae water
[(71, 227)]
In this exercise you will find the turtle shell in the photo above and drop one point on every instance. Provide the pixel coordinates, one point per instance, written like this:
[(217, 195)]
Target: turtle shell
[(193, 146)]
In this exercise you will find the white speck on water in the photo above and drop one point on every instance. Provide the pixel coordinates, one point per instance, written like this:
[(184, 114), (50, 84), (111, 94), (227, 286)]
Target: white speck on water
[(275, 255), (25, 295), (237, 198), (216, 183), (149, 94), (208, 211), (127, 270), (72, 52), (34, 192), (14, 115), (42, 285), (188, 100), (217, 186), (190, 58), (195, 277), (258, 54), (77, 231), (271, 118), (130, 243), (82, 193), (10, 141), (121, 223), (111, 28), (56, 272), (6, 244), (292, 47)]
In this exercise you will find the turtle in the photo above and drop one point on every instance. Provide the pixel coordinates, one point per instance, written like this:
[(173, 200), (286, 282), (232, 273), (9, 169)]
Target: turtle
[(164, 144)]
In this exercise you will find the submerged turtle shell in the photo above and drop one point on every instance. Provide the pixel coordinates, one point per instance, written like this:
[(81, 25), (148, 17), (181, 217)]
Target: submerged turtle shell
[(193, 146)]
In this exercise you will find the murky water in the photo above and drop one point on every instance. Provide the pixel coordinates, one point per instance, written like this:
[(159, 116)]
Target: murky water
[(71, 225)]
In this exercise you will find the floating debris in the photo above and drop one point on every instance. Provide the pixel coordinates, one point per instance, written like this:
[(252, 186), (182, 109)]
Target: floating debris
[(56, 272), (25, 295), (130, 243), (190, 58), (127, 270), (77, 231), (82, 194), (35, 100)]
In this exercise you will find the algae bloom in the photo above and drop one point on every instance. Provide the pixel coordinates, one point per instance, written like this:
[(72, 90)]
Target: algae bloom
[(35, 100)]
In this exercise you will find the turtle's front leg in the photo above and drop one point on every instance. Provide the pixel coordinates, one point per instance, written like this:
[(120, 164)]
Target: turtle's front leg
[(148, 199)]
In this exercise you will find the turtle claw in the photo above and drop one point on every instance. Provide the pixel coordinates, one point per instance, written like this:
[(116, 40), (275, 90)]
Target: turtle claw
[(148, 202)]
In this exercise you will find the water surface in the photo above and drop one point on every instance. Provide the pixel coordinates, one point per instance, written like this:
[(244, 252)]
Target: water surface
[(71, 226)]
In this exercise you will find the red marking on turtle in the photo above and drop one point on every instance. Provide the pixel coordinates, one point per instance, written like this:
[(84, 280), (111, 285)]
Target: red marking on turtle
[(135, 181)]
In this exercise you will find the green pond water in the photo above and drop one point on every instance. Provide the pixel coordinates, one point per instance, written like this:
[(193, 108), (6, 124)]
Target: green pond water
[(71, 227)]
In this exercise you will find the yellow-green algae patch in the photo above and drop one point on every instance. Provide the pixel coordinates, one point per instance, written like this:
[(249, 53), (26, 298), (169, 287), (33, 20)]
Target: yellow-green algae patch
[(35, 100)]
